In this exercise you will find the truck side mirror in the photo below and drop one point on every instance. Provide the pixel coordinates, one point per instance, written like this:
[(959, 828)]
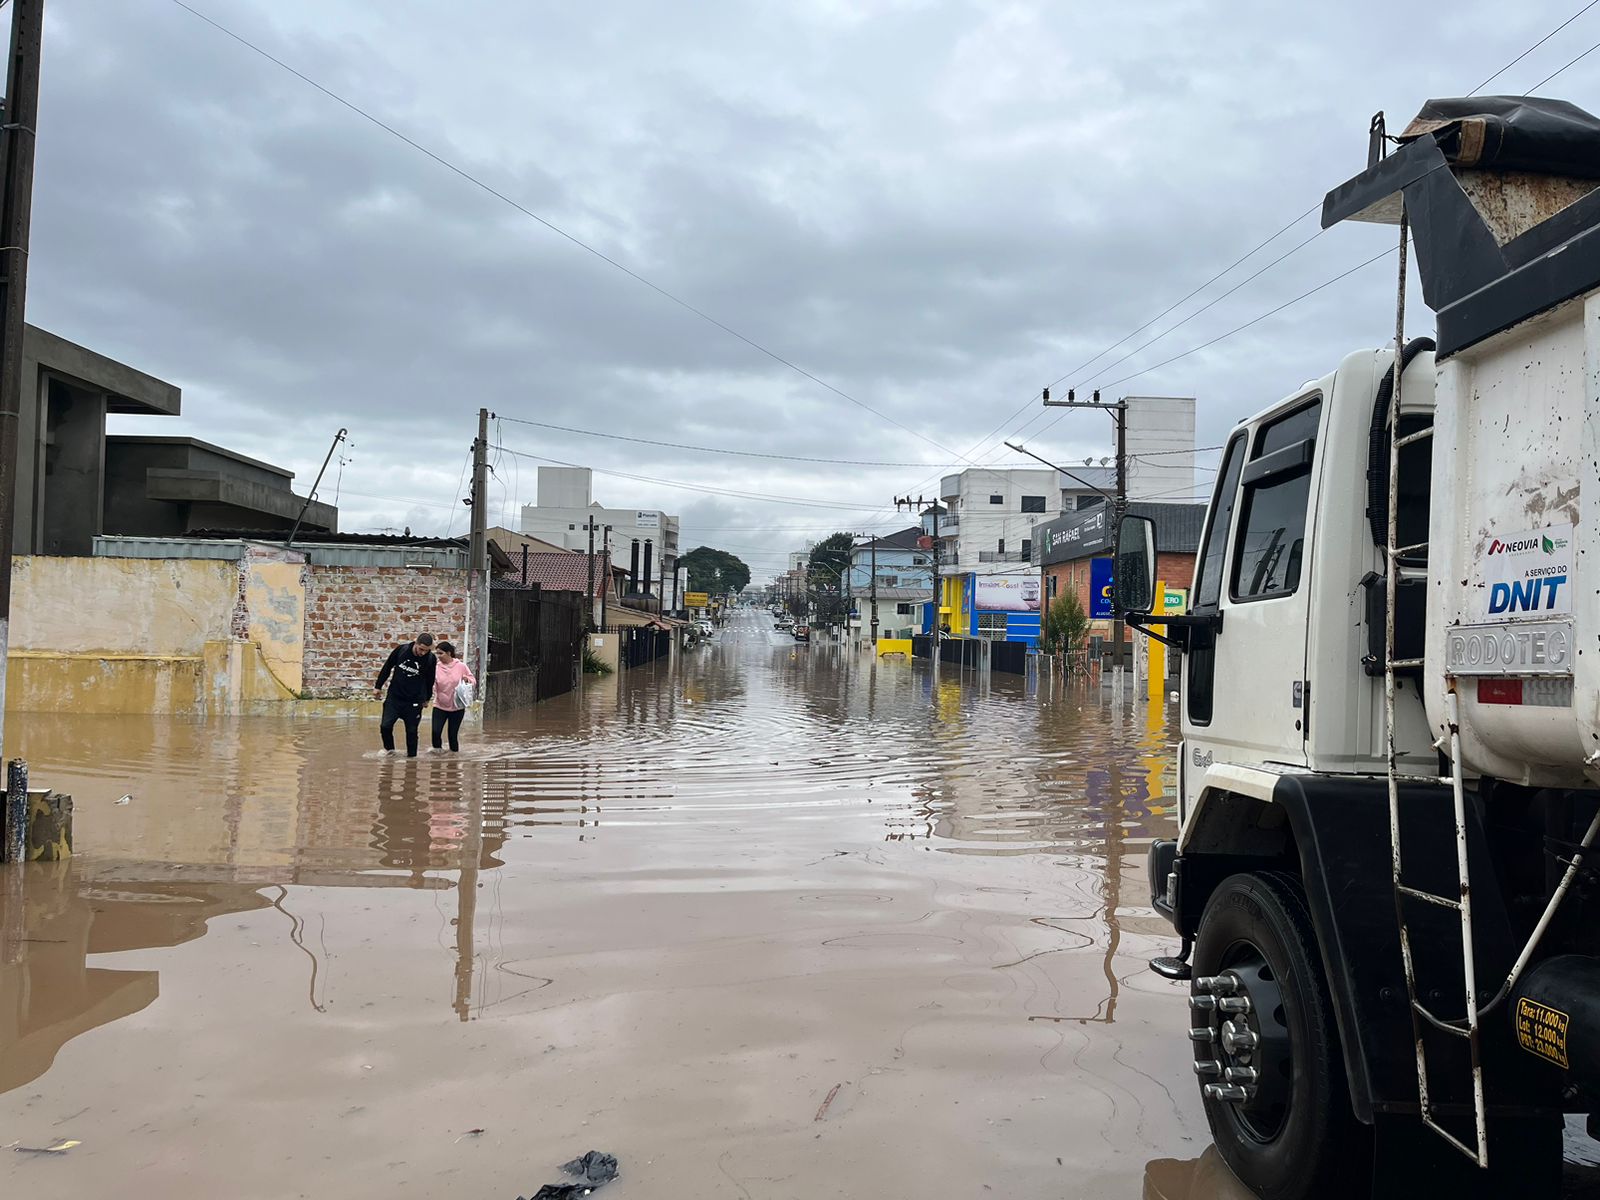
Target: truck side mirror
[(1133, 586)]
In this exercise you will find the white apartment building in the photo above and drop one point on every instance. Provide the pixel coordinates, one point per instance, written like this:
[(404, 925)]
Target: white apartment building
[(990, 513), (562, 513)]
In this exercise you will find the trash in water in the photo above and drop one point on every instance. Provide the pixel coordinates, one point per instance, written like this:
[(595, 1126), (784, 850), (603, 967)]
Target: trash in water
[(58, 1148), (126, 798), (594, 1170)]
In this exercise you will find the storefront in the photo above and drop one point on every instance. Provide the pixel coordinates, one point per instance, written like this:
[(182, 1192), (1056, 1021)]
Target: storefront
[(1076, 557)]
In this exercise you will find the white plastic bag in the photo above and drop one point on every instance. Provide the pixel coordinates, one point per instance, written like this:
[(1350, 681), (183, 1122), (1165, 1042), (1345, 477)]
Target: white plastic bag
[(464, 694)]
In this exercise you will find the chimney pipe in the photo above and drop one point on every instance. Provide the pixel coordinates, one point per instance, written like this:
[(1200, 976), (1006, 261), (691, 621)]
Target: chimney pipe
[(649, 546), (633, 568)]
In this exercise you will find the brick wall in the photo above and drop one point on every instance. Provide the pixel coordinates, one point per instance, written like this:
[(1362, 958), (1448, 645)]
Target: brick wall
[(1174, 570), (356, 615)]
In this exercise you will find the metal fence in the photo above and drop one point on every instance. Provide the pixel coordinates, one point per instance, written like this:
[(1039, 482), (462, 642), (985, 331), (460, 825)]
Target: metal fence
[(536, 635), (638, 645)]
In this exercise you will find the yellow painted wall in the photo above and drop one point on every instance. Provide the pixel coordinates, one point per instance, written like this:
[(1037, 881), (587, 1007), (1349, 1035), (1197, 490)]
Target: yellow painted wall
[(132, 635), (127, 606), (276, 598), (954, 598)]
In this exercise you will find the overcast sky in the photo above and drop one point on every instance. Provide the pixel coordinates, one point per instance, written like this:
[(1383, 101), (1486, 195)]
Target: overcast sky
[(934, 207)]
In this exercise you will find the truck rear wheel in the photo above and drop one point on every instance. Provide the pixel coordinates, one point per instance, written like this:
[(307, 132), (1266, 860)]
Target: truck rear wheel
[(1266, 1046)]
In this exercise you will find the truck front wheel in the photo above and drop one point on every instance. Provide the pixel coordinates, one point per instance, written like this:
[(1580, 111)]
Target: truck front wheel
[(1266, 1046)]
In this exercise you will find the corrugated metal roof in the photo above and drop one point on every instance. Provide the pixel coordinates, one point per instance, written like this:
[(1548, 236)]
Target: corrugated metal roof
[(418, 552)]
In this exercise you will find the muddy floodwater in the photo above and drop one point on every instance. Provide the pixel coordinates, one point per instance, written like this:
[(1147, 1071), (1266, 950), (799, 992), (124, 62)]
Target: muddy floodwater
[(766, 921)]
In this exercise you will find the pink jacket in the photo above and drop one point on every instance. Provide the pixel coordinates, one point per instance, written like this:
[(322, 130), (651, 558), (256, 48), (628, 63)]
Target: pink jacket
[(445, 679)]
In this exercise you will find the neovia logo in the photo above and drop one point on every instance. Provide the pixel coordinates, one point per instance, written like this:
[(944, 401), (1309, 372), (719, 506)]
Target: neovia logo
[(1526, 595)]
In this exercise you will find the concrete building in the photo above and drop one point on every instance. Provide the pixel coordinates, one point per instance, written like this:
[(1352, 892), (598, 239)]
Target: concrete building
[(986, 541), (75, 483), (170, 486), (646, 540)]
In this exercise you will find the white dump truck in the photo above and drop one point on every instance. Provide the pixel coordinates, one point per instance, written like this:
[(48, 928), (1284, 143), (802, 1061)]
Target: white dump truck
[(1390, 765)]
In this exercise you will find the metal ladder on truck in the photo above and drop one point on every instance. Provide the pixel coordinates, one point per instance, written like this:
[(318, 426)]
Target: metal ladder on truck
[(1461, 903)]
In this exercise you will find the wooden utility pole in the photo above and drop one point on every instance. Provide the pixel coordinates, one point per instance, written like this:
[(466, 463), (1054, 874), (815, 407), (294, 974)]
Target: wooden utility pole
[(588, 617), (16, 213), (478, 559), (605, 583), (1119, 417)]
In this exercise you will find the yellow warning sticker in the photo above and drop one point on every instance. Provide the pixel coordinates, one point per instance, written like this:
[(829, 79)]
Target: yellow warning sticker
[(1542, 1030)]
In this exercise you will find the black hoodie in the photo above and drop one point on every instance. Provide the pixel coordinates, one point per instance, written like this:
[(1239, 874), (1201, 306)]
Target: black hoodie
[(413, 676)]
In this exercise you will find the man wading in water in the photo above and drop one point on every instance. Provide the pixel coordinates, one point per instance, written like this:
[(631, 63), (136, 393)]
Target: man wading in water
[(410, 671)]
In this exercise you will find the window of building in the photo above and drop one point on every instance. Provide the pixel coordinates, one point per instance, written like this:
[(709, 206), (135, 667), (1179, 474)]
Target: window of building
[(992, 626), (572, 527), (889, 580), (1027, 549), (918, 561), (902, 610), (1002, 545), (997, 499), (1033, 504), (1273, 501)]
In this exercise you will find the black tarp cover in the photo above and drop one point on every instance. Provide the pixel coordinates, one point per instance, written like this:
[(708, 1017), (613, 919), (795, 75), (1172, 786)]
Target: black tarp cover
[(1512, 133)]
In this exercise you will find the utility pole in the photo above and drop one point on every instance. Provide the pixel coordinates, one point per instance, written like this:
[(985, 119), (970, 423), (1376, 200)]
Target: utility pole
[(1119, 417), (16, 213), (478, 557), (311, 496), (933, 510), (872, 588), (605, 584), (588, 616)]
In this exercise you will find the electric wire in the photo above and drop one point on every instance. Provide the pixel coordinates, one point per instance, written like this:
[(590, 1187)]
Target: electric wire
[(1534, 47), (1559, 70), (491, 190), (618, 437)]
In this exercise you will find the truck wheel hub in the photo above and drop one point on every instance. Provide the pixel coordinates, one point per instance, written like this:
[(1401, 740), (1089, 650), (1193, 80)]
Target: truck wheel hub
[(1243, 1053)]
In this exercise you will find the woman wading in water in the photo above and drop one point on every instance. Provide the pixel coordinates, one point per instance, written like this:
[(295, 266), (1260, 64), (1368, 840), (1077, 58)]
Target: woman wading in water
[(449, 674)]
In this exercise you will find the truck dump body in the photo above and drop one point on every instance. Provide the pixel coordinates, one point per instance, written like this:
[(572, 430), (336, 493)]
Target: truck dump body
[(1514, 570), (1504, 197)]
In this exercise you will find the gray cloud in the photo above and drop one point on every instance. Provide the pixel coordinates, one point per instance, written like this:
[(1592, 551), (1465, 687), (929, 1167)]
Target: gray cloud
[(937, 207)]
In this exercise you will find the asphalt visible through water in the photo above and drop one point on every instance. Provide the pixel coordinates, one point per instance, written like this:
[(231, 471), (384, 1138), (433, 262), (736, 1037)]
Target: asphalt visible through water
[(766, 920)]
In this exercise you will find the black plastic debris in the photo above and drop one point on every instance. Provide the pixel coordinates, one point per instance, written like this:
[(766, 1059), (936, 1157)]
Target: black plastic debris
[(594, 1170)]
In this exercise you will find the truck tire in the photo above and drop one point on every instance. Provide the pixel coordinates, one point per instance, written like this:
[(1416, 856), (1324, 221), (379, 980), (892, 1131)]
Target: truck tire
[(1271, 1073)]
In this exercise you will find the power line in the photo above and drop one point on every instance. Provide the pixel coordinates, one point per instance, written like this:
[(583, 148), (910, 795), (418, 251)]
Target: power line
[(618, 437), (1197, 449), (1290, 225), (1558, 70), (1534, 47), (554, 228), (1254, 320), (1203, 308), (808, 501)]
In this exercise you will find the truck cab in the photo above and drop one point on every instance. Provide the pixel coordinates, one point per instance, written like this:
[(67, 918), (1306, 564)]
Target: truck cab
[(1390, 702)]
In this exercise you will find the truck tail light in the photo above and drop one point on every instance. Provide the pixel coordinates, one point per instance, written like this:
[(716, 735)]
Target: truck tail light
[(1499, 691)]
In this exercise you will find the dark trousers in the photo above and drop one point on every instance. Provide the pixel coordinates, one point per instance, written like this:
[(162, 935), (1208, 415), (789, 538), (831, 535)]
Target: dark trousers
[(450, 720), (400, 710)]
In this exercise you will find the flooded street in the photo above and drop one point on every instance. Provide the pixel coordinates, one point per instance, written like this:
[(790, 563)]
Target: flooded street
[(770, 921)]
